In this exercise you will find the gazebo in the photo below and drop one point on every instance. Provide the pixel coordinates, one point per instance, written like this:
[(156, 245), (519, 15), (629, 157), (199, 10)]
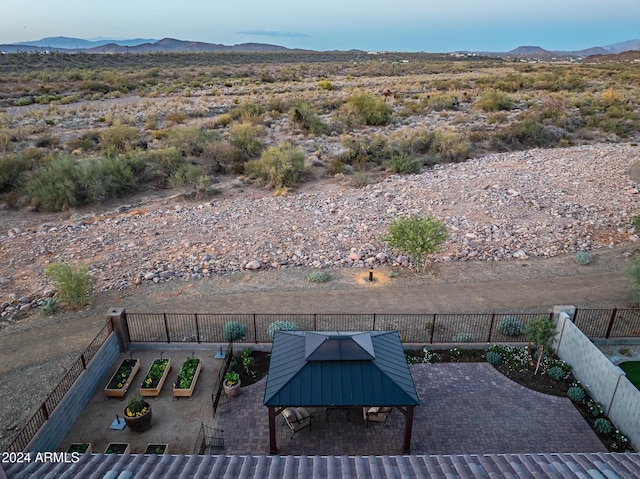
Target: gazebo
[(335, 369)]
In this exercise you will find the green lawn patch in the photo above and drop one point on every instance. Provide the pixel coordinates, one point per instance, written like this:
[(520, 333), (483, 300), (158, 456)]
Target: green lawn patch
[(632, 369)]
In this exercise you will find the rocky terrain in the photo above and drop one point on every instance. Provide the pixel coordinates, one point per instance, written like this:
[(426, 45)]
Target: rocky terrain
[(502, 207)]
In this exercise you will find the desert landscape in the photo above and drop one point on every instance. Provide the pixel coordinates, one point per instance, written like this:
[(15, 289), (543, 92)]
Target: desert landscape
[(196, 165)]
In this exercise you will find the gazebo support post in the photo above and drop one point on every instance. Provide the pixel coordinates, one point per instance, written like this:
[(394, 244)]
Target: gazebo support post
[(408, 427), (273, 448)]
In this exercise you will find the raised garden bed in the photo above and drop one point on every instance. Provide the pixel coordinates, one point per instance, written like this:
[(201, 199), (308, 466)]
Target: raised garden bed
[(119, 383), (157, 449), (118, 448), (155, 378), (187, 378), (80, 447)]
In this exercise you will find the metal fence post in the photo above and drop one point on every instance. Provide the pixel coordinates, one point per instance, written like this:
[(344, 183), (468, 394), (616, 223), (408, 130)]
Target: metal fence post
[(611, 321), (84, 361), (433, 328), (166, 327), (493, 317), (374, 322), (197, 327), (315, 321), (255, 329), (44, 411)]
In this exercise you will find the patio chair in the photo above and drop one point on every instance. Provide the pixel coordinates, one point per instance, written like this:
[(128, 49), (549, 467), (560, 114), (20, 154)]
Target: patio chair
[(296, 418), (376, 414)]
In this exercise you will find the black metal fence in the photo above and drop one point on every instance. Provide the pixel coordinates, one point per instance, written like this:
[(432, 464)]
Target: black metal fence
[(413, 328), (608, 323), (27, 433)]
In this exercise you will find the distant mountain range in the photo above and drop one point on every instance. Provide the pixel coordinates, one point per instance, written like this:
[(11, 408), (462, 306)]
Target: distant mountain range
[(148, 45)]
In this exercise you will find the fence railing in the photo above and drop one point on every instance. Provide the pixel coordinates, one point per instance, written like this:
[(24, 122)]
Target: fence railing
[(413, 328), (27, 433), (608, 323)]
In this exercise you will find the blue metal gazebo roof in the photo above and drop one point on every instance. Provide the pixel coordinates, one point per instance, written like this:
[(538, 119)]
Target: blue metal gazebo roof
[(320, 368)]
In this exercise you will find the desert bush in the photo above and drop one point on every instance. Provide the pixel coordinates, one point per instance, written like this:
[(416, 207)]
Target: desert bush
[(280, 326), (325, 85), (359, 152), (247, 112), (73, 285), (280, 165), (492, 100), (245, 139), (359, 179), (603, 426), (88, 141), (49, 305), (493, 357), (463, 338), (191, 141), (418, 236), (442, 101), (582, 257), (510, 326), (13, 170), (576, 393), (233, 331), (526, 133), (23, 101), (185, 175), (447, 146), (303, 116), (119, 138), (399, 162), (47, 141), (167, 160), (556, 373), (371, 109), (318, 277)]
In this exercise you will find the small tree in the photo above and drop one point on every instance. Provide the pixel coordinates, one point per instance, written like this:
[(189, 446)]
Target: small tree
[(418, 236), (540, 331), (73, 285)]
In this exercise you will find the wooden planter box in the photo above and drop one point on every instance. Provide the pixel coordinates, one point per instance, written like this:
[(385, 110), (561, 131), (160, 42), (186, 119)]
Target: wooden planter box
[(80, 447), (120, 392), (179, 392), (157, 449), (118, 448), (156, 391)]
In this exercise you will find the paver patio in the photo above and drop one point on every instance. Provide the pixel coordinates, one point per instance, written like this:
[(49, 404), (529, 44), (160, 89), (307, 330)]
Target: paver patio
[(466, 408)]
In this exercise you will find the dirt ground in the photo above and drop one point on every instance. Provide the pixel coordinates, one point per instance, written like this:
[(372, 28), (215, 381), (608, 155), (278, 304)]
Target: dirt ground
[(39, 349)]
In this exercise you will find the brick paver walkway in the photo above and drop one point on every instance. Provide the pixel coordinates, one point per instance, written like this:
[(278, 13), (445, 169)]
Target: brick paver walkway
[(466, 408)]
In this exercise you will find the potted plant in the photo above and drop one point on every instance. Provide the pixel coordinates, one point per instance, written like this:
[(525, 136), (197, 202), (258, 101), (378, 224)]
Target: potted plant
[(137, 414), (231, 384), (187, 378), (154, 380), (157, 449), (80, 447), (119, 383), (118, 448)]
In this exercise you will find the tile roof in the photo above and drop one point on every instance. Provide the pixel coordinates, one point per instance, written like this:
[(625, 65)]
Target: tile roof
[(382, 379), (490, 466)]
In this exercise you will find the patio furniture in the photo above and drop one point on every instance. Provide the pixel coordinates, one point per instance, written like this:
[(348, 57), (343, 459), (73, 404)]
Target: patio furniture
[(296, 418), (376, 414)]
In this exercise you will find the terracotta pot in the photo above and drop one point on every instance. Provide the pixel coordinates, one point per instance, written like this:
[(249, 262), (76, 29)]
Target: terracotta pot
[(231, 391), (139, 423)]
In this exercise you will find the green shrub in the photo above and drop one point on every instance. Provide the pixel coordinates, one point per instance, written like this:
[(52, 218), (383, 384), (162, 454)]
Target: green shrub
[(119, 138), (556, 373), (191, 141), (73, 285), (446, 146), (582, 257), (371, 109), (442, 101), (525, 134), (318, 277), (303, 116), (595, 408), (246, 112), (359, 152), (418, 236), (280, 326), (603, 426), (510, 326), (185, 175), (494, 358), (492, 100), (12, 172), (463, 338), (49, 306), (233, 331), (245, 139), (400, 163), (576, 393), (24, 101), (167, 160), (326, 85), (281, 165)]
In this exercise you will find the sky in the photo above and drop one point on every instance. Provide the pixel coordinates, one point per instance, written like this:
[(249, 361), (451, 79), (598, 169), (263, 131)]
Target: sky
[(396, 25)]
